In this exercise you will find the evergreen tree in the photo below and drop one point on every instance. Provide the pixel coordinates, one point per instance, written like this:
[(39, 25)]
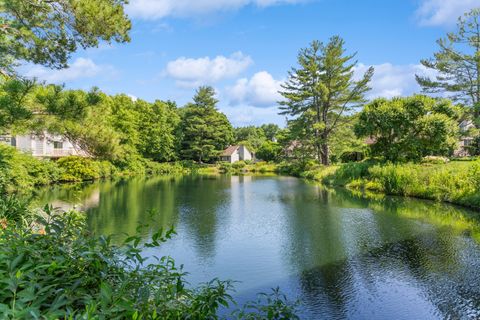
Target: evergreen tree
[(457, 64), (47, 32), (205, 130), (321, 91)]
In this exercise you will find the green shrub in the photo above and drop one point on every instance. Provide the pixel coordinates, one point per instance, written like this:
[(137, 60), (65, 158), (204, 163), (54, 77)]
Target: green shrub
[(21, 172), (78, 169), (239, 165), (13, 210), (352, 156), (52, 268), (225, 167)]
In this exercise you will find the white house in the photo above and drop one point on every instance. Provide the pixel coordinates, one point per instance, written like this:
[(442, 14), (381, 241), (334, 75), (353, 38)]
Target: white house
[(236, 153), (43, 145), (465, 141)]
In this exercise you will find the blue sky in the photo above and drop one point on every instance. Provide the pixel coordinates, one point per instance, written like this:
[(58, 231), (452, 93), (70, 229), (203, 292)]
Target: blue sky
[(244, 48)]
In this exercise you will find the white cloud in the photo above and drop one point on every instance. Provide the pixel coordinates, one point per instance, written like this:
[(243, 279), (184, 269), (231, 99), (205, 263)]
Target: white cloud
[(249, 115), (157, 9), (443, 12), (261, 90), (133, 97), (393, 80), (80, 68), (193, 72)]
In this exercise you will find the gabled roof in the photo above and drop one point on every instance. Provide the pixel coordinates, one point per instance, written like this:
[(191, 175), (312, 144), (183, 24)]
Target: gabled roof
[(229, 151)]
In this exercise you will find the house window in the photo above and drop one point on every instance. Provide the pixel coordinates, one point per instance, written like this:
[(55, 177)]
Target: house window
[(57, 145)]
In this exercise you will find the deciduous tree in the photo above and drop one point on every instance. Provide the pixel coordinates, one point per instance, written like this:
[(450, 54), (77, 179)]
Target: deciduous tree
[(405, 129)]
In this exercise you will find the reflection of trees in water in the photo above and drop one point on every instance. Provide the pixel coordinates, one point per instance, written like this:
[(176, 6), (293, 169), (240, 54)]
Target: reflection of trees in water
[(199, 201), (128, 203), (341, 251)]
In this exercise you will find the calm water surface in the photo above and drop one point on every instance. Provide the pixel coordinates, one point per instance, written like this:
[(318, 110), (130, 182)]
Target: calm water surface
[(343, 256)]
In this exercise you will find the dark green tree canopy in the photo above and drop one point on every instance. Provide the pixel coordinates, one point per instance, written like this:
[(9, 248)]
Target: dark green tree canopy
[(404, 129), (47, 31), (321, 90), (457, 63), (205, 131)]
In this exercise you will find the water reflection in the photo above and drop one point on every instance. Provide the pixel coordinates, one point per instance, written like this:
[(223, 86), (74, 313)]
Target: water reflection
[(344, 255)]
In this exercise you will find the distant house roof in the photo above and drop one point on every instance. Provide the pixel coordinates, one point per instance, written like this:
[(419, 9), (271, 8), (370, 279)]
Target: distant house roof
[(370, 140), (229, 151)]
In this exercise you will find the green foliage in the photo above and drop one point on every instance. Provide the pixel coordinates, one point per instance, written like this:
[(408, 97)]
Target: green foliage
[(410, 128), (456, 182), (239, 165), (269, 306), (205, 131), (22, 172), (344, 141), (14, 100), (352, 156), (320, 92), (158, 127), (52, 268), (13, 210), (225, 167), (271, 131), (78, 169), (456, 64), (252, 137), (47, 32), (269, 151)]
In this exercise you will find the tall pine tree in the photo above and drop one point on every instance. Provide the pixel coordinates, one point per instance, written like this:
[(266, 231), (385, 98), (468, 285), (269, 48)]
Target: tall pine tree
[(205, 131), (320, 91), (457, 64)]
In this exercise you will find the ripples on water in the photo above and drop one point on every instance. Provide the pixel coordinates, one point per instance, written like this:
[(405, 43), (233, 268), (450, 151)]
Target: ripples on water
[(343, 256)]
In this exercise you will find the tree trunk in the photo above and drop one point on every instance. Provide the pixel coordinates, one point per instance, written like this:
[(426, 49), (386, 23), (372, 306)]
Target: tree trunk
[(325, 154)]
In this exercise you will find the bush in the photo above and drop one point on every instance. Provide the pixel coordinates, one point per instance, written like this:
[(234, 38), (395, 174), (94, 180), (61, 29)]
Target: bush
[(22, 172), (52, 268), (78, 169), (225, 167), (12, 210), (239, 165), (352, 156)]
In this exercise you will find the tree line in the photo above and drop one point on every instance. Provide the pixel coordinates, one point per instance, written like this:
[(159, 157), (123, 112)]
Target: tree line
[(324, 97)]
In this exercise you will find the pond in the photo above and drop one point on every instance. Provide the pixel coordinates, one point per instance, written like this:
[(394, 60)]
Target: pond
[(345, 256)]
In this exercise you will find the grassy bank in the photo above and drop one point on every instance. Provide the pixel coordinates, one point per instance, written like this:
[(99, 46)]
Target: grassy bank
[(241, 167), (456, 182), (20, 172)]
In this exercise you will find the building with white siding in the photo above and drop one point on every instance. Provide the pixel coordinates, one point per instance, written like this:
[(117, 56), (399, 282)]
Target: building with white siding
[(43, 145)]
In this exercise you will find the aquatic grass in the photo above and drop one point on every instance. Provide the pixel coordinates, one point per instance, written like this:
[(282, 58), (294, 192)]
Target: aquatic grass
[(456, 182)]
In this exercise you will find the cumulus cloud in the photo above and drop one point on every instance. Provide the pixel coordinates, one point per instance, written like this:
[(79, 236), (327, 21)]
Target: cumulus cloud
[(157, 9), (260, 90), (191, 72), (80, 68), (391, 80), (245, 115), (443, 12)]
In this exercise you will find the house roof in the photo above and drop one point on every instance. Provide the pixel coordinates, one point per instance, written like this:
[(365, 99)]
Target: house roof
[(229, 151), (370, 140)]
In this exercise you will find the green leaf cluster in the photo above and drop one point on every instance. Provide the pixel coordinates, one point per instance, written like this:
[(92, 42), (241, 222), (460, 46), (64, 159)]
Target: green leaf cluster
[(406, 129)]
